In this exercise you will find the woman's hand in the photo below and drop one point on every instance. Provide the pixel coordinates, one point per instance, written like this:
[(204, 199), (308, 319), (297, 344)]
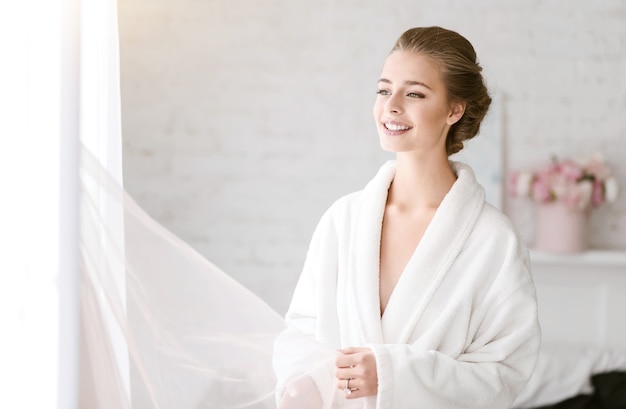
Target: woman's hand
[(355, 370)]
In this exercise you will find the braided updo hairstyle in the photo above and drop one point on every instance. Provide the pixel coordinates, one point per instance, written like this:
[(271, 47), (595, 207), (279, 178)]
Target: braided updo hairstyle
[(456, 59)]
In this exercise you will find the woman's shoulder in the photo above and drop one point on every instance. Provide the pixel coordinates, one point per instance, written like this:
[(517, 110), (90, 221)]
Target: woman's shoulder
[(344, 206), (348, 200), (375, 187), (495, 217), (493, 226)]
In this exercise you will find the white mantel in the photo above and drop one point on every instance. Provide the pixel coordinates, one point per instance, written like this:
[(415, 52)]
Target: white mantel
[(582, 297), (590, 259)]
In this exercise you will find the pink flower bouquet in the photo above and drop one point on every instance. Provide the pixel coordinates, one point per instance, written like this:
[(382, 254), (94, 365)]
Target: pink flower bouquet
[(576, 184)]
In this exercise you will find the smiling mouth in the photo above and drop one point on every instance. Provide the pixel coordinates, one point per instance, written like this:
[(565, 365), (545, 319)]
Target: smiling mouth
[(396, 127)]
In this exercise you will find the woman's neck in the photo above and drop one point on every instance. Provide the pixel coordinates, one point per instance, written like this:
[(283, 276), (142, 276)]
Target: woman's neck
[(420, 182)]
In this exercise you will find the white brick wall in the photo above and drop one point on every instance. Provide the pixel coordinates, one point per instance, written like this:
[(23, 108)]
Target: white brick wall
[(244, 120)]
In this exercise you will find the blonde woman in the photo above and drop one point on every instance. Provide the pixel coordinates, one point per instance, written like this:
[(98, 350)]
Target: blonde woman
[(423, 287)]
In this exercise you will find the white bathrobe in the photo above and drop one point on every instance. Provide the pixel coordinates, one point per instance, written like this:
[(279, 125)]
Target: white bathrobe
[(460, 329)]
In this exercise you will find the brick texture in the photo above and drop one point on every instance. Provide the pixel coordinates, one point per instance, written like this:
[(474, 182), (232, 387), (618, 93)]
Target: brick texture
[(243, 121)]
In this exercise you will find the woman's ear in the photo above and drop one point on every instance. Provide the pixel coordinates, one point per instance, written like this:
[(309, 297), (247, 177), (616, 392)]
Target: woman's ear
[(456, 112)]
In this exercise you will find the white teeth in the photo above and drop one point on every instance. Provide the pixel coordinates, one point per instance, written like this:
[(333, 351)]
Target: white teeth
[(394, 127)]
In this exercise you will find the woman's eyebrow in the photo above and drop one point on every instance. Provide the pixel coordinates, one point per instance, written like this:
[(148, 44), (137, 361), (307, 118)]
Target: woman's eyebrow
[(385, 80)]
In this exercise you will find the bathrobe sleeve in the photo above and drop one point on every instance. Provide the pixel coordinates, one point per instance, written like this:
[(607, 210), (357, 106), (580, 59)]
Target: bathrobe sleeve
[(315, 292), (502, 343), (304, 352)]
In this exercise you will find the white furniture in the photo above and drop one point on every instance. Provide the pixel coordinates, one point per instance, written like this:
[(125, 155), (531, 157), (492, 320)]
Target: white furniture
[(582, 298)]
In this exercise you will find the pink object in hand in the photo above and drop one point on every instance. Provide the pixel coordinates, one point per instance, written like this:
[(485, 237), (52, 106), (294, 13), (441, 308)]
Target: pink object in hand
[(560, 229)]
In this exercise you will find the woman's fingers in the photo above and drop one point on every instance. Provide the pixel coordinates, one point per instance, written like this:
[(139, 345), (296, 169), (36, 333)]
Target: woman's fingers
[(355, 372), (344, 361), (351, 357), (350, 388), (344, 373)]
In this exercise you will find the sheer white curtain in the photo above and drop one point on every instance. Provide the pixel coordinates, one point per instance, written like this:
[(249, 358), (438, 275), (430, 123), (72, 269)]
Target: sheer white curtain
[(104, 369), (101, 307), (60, 88)]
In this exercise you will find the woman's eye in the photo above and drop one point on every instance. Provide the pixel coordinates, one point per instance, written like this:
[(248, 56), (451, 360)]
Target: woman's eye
[(383, 92), (415, 95)]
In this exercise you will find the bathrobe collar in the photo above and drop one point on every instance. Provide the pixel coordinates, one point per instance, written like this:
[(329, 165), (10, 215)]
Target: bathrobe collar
[(441, 243)]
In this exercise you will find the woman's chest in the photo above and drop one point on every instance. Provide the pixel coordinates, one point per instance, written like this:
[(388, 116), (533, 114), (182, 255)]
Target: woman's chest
[(401, 233)]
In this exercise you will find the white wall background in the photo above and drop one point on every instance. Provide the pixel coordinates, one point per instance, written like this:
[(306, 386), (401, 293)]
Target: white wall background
[(244, 120)]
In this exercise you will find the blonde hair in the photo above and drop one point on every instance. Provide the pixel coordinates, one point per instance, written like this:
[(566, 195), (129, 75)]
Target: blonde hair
[(461, 73)]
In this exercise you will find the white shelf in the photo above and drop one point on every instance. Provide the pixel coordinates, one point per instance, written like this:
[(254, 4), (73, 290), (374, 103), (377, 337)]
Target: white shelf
[(612, 258), (581, 297)]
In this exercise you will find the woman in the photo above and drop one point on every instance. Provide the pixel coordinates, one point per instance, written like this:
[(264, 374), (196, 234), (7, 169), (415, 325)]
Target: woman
[(423, 287)]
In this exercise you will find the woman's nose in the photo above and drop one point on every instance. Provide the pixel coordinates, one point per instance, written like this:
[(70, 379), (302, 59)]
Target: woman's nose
[(394, 104)]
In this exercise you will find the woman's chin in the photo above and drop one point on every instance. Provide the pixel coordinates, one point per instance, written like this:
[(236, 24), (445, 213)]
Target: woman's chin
[(393, 147)]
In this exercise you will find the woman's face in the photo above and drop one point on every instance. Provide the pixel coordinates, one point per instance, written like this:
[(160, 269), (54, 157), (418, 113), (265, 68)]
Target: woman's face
[(411, 109)]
